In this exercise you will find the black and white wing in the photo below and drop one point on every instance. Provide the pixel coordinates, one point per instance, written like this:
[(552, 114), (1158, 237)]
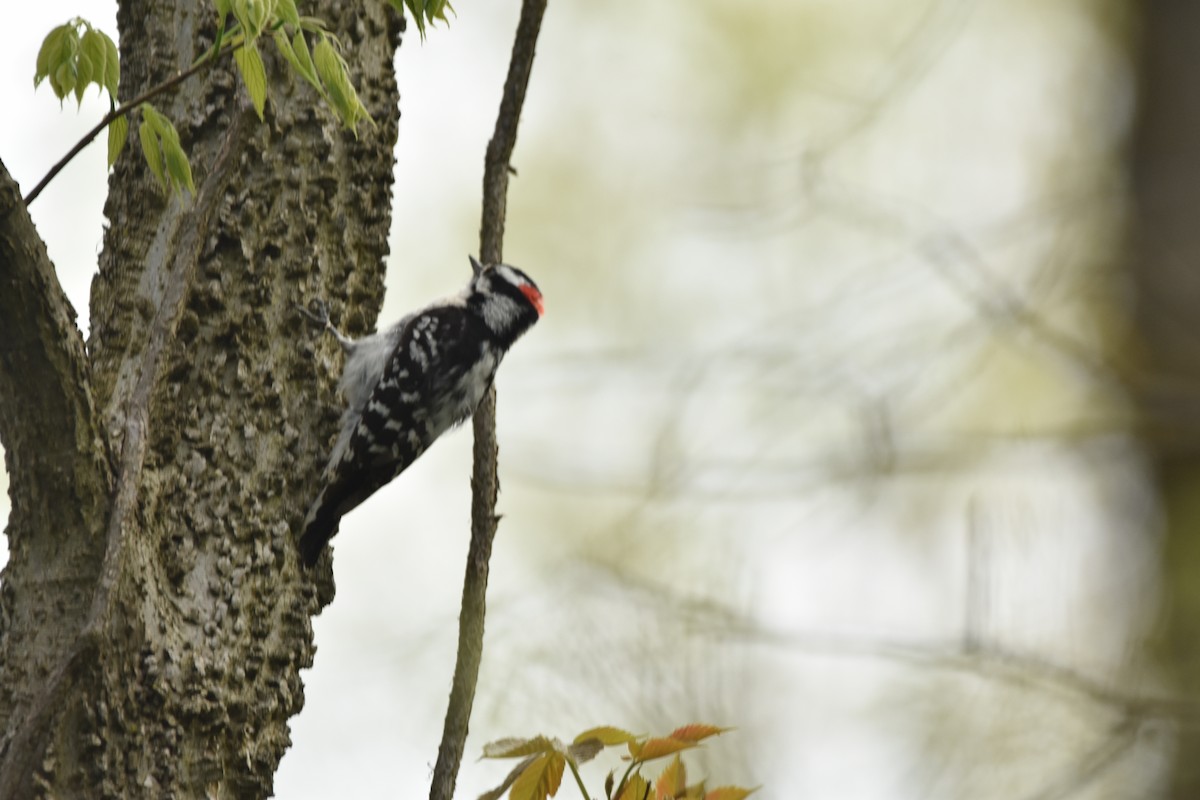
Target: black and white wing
[(433, 380)]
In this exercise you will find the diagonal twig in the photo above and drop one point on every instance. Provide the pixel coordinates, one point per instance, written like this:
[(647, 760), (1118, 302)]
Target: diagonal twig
[(206, 60)]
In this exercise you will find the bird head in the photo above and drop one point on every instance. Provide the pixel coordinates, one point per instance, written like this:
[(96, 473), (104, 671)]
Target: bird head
[(508, 299)]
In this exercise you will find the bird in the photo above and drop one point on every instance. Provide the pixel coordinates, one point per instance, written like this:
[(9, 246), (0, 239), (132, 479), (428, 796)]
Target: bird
[(408, 384)]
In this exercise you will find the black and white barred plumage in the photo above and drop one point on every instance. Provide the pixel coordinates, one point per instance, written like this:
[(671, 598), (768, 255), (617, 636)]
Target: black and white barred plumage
[(409, 384)]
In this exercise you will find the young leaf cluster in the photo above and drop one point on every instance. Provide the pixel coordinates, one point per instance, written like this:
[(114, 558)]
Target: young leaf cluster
[(322, 65), (75, 55), (544, 760), (164, 154), (423, 11), (72, 57)]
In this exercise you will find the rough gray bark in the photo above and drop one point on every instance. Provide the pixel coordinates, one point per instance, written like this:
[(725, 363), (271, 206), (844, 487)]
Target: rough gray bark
[(153, 617), (1165, 165)]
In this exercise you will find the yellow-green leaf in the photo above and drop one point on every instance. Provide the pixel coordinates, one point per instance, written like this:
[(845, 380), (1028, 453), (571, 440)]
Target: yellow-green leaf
[(332, 72), (285, 48), (252, 15), (58, 49), (161, 126), (335, 77), (636, 788), (540, 779), (697, 731), (607, 735), (286, 11), (305, 62), (164, 154), (436, 9), (514, 747), (112, 67), (417, 7), (93, 50), (729, 793), (62, 81), (178, 167), (83, 75), (118, 132), (301, 64), (151, 150), (250, 65)]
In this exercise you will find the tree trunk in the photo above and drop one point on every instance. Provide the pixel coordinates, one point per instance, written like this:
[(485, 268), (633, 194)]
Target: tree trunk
[(1165, 265), (153, 615)]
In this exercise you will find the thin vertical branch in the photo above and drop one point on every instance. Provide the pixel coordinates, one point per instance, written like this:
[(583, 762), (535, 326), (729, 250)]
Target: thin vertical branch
[(485, 486)]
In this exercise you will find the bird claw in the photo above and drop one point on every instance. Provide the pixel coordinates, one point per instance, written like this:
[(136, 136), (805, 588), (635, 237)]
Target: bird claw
[(321, 317)]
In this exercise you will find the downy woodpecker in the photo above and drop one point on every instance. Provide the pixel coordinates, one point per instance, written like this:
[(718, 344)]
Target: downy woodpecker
[(407, 385)]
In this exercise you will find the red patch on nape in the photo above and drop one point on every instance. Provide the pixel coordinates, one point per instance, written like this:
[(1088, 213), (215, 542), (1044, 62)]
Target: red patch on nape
[(534, 297)]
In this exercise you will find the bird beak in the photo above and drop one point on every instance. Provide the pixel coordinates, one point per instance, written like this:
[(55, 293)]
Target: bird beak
[(476, 267)]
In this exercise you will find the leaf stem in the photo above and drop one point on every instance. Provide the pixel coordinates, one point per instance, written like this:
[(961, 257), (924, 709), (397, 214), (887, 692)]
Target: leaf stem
[(578, 780), (624, 779)]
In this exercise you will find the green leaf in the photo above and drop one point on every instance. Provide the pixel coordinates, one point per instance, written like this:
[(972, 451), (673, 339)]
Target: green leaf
[(305, 62), (151, 148), (332, 71), (83, 75), (253, 15), (159, 125), (93, 49), (423, 11), (118, 133), (164, 155), (285, 48), (223, 9), (57, 49), (300, 61), (436, 9), (57, 60), (112, 66), (178, 167), (250, 64), (328, 64), (63, 79), (286, 11), (417, 7)]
